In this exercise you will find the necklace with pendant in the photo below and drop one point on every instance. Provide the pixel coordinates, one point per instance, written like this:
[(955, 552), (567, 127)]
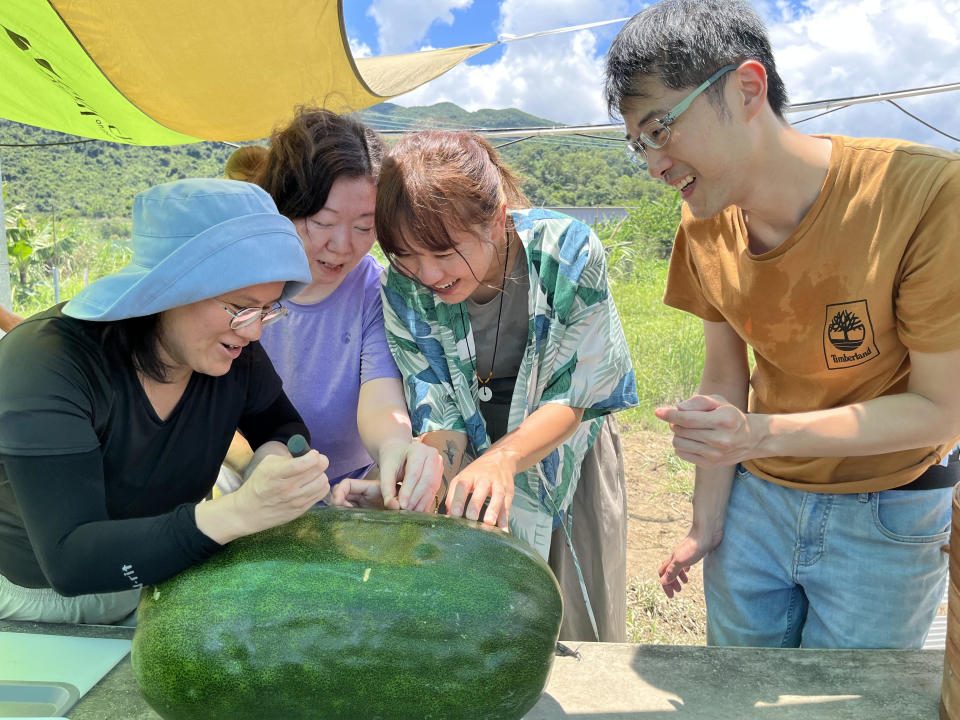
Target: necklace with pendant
[(484, 392)]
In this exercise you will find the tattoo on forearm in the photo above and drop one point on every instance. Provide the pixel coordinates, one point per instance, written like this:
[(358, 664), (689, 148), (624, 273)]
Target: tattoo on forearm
[(451, 452)]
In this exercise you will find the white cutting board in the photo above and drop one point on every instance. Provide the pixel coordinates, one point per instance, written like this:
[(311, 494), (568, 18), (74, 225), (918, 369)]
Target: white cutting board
[(79, 661)]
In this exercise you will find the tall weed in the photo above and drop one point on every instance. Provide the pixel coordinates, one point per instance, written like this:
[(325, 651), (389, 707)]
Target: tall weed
[(645, 233), (666, 345)]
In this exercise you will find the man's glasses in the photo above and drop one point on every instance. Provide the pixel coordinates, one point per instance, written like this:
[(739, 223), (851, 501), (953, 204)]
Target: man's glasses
[(247, 316), (656, 133)]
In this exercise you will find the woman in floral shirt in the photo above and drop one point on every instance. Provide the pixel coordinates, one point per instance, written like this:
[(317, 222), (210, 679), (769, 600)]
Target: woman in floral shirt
[(513, 357)]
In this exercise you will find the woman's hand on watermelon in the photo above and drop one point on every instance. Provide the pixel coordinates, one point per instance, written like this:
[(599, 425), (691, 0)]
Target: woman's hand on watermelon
[(357, 492), (282, 488), (410, 475), (278, 489), (489, 476)]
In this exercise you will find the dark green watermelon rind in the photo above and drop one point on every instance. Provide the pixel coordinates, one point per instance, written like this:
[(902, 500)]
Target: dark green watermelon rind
[(353, 613)]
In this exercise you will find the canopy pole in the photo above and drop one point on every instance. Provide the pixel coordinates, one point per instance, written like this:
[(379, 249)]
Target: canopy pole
[(5, 292)]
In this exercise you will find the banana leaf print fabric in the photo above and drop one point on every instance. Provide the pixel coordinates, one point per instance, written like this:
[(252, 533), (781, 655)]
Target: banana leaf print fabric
[(576, 355)]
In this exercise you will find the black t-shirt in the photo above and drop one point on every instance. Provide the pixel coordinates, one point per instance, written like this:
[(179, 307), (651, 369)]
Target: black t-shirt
[(96, 492)]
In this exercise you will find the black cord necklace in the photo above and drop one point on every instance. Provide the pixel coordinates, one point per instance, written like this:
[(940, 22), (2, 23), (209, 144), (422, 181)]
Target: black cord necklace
[(484, 392)]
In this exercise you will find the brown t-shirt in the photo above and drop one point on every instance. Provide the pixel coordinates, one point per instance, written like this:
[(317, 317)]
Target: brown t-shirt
[(870, 273)]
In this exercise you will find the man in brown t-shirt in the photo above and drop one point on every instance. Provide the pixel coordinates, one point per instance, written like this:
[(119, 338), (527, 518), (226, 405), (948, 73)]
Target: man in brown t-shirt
[(827, 471)]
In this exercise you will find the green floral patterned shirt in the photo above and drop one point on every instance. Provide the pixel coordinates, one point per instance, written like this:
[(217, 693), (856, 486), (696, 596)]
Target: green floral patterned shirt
[(576, 355)]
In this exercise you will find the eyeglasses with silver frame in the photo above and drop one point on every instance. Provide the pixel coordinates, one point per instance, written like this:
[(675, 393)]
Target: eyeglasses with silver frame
[(656, 133), (247, 316)]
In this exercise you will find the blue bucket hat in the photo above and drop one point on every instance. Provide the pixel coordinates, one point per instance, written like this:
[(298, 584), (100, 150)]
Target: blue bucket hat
[(196, 239)]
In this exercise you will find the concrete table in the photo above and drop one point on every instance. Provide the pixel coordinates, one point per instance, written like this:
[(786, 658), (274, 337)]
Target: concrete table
[(649, 682)]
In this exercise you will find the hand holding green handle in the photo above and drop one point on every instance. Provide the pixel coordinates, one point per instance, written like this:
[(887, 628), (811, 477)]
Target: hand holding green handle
[(297, 445)]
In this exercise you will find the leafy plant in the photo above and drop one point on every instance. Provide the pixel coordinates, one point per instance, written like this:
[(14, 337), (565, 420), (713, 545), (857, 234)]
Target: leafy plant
[(25, 237), (645, 234), (52, 260)]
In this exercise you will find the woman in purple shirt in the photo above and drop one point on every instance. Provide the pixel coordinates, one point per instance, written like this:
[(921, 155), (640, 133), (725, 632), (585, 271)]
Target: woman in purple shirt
[(331, 351)]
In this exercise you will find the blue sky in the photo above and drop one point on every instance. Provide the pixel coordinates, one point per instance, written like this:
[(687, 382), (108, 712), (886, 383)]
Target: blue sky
[(824, 49)]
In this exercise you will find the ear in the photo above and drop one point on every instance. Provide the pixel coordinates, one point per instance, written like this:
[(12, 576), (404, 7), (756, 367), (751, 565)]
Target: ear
[(498, 226), (751, 87)]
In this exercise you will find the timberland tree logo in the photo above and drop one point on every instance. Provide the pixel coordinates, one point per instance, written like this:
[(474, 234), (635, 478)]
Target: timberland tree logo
[(848, 335)]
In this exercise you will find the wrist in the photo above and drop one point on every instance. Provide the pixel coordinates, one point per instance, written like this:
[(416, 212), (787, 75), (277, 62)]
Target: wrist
[(762, 430), (391, 449), (505, 458), (707, 532), (394, 444), (221, 519)]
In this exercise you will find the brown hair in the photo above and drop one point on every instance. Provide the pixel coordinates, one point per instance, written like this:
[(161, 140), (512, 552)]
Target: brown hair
[(245, 162), (437, 180), (307, 157)]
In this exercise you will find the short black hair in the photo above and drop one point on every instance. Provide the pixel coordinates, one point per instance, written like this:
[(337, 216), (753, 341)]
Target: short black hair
[(682, 43)]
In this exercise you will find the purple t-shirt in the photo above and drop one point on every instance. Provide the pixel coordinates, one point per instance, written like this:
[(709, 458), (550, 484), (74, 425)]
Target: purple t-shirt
[(324, 352)]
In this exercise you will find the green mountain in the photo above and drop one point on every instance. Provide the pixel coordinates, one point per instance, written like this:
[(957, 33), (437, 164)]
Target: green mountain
[(52, 172), (49, 172), (555, 170), (388, 116)]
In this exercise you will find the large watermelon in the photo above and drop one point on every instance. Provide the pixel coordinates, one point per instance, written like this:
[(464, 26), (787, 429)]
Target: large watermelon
[(348, 613)]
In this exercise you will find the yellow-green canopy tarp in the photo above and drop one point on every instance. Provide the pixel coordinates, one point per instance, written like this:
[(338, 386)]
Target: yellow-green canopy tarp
[(165, 72)]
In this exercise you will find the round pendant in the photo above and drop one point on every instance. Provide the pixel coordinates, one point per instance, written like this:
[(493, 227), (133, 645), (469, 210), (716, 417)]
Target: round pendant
[(485, 393)]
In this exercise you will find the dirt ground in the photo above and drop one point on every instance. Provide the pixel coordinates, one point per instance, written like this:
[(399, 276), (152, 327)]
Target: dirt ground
[(659, 510)]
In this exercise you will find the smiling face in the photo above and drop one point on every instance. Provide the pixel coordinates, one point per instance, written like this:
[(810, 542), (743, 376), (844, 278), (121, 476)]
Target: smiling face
[(704, 159), (198, 338), (338, 235), (472, 268)]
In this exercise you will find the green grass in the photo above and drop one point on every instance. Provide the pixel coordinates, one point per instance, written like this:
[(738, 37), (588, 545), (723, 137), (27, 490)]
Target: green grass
[(677, 476), (666, 345), (654, 619)]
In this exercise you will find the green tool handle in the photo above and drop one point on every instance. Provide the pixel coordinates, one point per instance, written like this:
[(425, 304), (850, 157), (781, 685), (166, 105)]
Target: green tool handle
[(297, 445)]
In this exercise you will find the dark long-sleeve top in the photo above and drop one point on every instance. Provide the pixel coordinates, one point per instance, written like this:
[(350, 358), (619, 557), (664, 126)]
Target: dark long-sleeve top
[(97, 493)]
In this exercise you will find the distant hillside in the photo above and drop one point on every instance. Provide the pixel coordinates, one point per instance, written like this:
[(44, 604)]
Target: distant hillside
[(388, 116), (53, 172), (92, 178), (557, 170)]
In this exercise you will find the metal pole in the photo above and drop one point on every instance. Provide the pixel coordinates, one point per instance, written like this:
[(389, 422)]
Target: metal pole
[(526, 132), (56, 260), (5, 294)]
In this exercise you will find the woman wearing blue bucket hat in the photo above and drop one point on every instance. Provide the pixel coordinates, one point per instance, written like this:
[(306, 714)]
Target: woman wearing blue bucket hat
[(117, 408)]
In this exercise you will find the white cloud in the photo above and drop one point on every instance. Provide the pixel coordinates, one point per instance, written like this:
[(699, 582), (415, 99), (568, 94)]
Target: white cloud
[(840, 48), (402, 24), (556, 77), (359, 48), (824, 49), (528, 16)]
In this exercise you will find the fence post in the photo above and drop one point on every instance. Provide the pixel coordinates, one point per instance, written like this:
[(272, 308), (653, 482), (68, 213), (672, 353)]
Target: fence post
[(5, 293)]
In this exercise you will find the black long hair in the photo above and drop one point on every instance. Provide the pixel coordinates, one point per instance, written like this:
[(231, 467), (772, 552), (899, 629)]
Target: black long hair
[(137, 340)]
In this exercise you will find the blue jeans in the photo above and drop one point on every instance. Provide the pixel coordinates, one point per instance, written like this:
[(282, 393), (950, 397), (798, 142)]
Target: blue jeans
[(819, 570)]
